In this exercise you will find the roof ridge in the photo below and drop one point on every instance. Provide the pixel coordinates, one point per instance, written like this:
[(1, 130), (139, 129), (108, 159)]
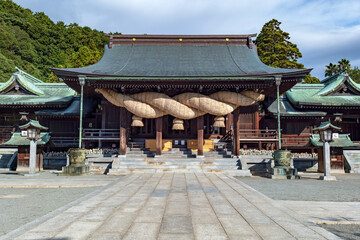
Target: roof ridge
[(27, 75)]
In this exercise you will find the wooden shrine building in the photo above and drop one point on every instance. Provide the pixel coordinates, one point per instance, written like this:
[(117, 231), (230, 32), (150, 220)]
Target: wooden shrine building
[(55, 105), (177, 89), (303, 107)]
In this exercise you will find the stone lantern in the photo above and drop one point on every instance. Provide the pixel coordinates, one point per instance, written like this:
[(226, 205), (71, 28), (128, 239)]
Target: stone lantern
[(33, 129), (326, 136)]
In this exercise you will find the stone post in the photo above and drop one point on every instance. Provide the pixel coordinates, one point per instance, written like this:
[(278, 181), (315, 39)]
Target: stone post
[(32, 160), (327, 165)]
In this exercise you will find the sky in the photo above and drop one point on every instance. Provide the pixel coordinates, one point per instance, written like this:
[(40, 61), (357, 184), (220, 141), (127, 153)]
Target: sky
[(324, 30)]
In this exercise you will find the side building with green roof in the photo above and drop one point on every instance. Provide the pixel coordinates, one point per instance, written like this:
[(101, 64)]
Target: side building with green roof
[(304, 106), (25, 97)]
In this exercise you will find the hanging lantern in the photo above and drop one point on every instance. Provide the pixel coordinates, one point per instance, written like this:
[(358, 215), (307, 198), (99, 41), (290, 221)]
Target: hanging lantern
[(178, 124), (137, 121), (219, 121)]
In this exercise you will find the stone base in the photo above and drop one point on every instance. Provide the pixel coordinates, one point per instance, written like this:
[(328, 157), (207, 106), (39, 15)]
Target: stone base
[(31, 175), (327, 178), (75, 170), (284, 173)]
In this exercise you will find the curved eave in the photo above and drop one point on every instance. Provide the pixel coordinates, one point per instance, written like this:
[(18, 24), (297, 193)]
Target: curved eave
[(72, 74), (300, 104)]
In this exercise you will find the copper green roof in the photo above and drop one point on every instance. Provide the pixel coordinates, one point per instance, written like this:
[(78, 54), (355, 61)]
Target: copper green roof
[(33, 124), (18, 140), (336, 91), (24, 89), (326, 125), (168, 57), (343, 141), (287, 110)]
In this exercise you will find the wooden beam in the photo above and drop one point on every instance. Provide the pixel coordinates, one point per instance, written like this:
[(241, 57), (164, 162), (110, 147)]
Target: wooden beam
[(123, 131), (159, 127), (237, 132), (200, 135)]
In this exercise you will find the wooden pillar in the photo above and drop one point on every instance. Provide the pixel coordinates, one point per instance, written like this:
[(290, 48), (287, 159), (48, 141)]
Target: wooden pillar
[(256, 120), (103, 122), (228, 122), (237, 132), (159, 127), (200, 135), (123, 131)]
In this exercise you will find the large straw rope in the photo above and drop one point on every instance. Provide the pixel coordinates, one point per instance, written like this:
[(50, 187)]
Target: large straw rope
[(182, 106)]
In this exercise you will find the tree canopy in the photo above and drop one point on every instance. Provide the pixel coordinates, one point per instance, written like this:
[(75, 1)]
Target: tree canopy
[(343, 64), (34, 43), (275, 49), (331, 69)]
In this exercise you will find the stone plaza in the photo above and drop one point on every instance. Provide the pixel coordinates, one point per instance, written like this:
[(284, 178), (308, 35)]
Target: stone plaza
[(190, 205)]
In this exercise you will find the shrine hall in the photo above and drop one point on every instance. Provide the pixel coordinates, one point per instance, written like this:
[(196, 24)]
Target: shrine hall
[(172, 90)]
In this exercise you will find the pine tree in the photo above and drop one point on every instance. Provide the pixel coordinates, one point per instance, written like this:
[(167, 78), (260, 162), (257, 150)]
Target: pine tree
[(275, 49)]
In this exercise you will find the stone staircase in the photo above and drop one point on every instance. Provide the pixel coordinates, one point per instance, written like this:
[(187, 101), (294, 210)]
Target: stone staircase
[(352, 161), (139, 159)]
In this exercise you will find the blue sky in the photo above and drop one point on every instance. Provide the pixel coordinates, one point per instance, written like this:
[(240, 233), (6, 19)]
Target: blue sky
[(324, 30)]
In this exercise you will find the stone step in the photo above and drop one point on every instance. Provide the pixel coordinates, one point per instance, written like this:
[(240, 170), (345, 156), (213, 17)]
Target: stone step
[(229, 171), (176, 160), (177, 165)]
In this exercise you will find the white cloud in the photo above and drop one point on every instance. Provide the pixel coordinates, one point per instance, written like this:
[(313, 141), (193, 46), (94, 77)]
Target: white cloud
[(324, 30)]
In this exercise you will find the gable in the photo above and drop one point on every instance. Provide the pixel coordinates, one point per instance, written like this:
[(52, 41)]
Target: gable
[(15, 88), (19, 85)]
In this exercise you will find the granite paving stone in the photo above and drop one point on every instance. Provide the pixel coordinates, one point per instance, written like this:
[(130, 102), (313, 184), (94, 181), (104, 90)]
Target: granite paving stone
[(175, 236), (189, 205), (176, 224), (209, 231), (143, 231)]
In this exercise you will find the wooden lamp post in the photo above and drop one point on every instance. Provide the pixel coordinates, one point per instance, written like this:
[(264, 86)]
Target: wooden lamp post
[(326, 136), (33, 134)]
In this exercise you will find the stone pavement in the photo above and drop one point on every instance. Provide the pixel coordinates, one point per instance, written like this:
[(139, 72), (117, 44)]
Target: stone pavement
[(326, 212), (47, 179), (175, 206)]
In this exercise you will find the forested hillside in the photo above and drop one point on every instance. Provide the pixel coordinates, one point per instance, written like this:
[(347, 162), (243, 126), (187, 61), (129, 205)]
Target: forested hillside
[(34, 43)]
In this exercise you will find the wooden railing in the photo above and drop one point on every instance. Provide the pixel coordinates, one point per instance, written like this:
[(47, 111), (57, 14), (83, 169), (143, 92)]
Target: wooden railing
[(294, 140), (251, 135), (65, 141), (101, 134), (258, 134)]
